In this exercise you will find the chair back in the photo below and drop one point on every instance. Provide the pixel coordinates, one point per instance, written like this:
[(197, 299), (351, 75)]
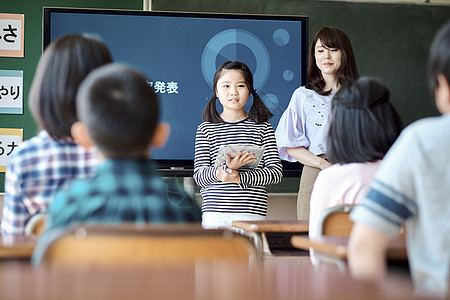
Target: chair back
[(131, 245), (335, 221), (36, 224)]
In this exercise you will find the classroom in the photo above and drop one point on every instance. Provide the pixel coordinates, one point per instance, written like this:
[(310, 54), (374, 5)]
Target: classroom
[(391, 42)]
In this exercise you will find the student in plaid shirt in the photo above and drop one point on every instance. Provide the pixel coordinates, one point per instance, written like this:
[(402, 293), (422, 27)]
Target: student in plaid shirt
[(44, 163), (118, 113)]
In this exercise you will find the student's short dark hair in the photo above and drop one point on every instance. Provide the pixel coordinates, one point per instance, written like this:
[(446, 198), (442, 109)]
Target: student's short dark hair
[(439, 58), (331, 37), (120, 110), (64, 64), (258, 112), (363, 124)]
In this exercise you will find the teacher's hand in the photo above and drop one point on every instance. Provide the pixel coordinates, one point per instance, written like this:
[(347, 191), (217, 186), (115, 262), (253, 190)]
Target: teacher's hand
[(324, 164)]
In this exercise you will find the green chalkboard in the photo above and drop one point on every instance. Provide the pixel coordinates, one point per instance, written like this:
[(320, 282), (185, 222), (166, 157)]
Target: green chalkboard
[(390, 41), (32, 9)]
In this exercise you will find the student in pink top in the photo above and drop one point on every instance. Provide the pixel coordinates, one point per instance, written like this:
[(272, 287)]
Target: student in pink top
[(363, 126)]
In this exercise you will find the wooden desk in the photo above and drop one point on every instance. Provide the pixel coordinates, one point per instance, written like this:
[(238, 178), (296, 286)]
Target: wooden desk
[(280, 279), (337, 246), (21, 247), (273, 225), (269, 235)]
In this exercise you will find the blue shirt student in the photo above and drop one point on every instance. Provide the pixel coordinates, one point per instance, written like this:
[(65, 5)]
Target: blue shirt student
[(123, 190)]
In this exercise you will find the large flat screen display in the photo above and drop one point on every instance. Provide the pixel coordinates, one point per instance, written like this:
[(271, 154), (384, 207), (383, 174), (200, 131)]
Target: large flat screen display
[(180, 52)]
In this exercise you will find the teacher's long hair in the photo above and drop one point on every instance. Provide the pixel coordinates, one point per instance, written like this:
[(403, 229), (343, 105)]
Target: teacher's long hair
[(331, 37)]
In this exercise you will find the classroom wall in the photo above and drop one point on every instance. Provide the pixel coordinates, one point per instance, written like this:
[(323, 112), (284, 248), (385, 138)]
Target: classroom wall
[(32, 9), (390, 41)]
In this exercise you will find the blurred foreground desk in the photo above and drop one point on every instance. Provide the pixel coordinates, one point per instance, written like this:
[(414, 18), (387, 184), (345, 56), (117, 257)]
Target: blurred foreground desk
[(280, 279), (17, 247), (273, 236), (337, 246)]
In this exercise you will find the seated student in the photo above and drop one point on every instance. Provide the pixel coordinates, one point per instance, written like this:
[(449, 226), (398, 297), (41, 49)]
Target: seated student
[(119, 113), (46, 162), (412, 185), (363, 126)]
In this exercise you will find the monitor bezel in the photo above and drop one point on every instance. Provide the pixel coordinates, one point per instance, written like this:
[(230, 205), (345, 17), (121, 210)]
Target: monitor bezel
[(183, 167)]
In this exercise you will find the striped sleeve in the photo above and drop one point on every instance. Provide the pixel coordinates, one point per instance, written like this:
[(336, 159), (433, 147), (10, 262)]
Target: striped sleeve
[(204, 170), (271, 171), (250, 196), (15, 213), (384, 209)]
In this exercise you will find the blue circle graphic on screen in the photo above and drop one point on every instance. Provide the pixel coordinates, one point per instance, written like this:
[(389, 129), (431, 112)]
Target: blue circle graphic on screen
[(271, 101), (236, 38), (288, 75), (281, 37)]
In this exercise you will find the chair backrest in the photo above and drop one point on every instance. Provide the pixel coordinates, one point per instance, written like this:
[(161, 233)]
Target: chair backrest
[(131, 245), (36, 224), (335, 221)]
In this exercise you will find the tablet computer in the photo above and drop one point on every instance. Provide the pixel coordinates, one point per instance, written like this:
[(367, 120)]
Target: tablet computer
[(257, 151)]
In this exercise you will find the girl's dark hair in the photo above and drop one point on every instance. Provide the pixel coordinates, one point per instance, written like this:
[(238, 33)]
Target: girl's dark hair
[(258, 112), (439, 59), (364, 124), (331, 37), (63, 66)]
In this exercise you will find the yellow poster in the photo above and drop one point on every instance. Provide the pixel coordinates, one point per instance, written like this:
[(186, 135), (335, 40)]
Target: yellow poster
[(10, 139)]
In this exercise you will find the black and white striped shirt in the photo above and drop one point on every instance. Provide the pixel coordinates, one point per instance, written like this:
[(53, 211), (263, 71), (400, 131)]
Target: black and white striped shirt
[(249, 197)]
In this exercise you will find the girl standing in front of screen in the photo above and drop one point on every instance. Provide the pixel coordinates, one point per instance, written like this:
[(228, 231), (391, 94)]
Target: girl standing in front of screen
[(230, 192), (301, 132)]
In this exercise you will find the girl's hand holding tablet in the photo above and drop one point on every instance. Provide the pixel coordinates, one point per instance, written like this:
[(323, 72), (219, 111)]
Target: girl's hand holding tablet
[(228, 172), (240, 159)]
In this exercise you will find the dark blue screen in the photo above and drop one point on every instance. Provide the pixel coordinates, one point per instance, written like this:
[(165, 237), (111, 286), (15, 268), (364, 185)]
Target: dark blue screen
[(179, 54)]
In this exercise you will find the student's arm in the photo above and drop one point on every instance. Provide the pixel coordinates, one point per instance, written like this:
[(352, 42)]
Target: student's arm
[(14, 211), (367, 253), (307, 158), (272, 170), (14, 216), (205, 173)]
